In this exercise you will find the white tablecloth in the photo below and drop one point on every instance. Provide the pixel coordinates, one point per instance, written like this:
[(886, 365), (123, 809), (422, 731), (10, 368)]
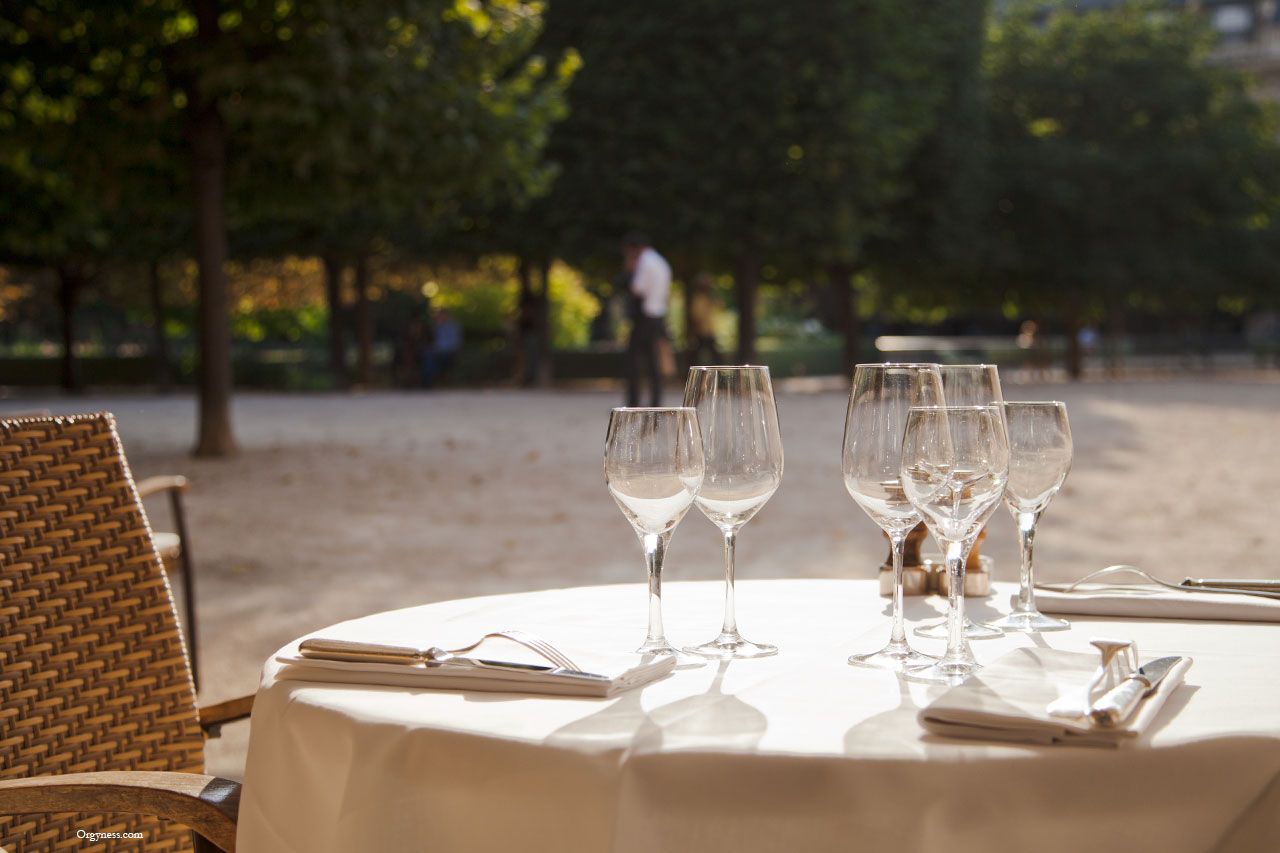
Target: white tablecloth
[(796, 752)]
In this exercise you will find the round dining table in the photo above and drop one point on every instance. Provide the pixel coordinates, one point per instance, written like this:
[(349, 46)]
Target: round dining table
[(799, 751)]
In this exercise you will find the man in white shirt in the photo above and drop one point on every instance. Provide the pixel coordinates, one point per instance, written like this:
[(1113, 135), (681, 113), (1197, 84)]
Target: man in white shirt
[(650, 289)]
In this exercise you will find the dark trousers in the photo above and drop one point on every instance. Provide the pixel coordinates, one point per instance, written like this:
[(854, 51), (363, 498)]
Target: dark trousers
[(705, 351), (642, 359)]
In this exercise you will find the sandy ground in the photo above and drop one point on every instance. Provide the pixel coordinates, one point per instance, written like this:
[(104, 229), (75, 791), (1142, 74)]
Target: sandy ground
[(339, 506)]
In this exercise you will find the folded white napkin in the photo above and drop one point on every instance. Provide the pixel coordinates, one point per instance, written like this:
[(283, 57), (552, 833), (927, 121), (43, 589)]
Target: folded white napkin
[(603, 674), (1150, 600), (1008, 701)]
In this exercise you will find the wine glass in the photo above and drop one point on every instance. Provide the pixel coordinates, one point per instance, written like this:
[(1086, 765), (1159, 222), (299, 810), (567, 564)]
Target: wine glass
[(881, 398), (742, 445), (968, 385), (1039, 459), (653, 467), (955, 462)]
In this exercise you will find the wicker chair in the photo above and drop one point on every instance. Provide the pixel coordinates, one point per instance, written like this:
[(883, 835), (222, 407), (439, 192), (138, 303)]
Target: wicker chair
[(97, 708)]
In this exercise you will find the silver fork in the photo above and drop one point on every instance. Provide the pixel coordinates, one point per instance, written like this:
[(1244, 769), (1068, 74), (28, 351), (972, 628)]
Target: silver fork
[(531, 642), (1134, 570)]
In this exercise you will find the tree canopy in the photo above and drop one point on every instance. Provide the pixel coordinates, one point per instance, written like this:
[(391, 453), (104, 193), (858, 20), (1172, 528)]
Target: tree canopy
[(1128, 169)]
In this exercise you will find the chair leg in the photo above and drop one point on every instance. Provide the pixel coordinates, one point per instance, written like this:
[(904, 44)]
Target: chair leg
[(188, 584), (203, 845)]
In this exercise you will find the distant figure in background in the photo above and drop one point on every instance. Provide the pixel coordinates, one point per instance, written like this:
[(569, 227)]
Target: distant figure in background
[(702, 327), (1035, 355), (427, 351), (650, 289), (408, 359), (448, 345)]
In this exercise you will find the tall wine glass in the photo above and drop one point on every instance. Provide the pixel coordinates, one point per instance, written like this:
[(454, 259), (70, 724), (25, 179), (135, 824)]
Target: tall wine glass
[(742, 445), (955, 462), (968, 385), (881, 398), (1039, 459), (653, 467)]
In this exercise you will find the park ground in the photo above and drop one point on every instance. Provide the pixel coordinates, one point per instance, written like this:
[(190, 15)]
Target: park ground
[(343, 505)]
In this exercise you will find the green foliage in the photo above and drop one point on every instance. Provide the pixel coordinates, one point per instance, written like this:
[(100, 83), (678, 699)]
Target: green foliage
[(383, 120), (484, 302), (768, 127), (1128, 169), (288, 325)]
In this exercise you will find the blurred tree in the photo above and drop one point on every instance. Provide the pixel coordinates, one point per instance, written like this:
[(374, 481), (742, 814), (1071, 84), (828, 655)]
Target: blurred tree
[(354, 111), (404, 121), (771, 133), (85, 173), (1127, 169)]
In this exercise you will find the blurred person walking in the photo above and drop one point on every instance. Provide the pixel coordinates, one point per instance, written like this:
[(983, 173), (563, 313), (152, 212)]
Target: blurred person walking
[(702, 327), (650, 289), (448, 345)]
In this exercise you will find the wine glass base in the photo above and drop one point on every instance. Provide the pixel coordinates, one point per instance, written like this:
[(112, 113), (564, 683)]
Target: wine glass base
[(683, 660), (897, 658), (1031, 622), (943, 672), (731, 646), (972, 630)]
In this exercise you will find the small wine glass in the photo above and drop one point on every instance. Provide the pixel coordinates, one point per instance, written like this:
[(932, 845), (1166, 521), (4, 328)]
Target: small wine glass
[(955, 461), (653, 467), (968, 385), (1039, 459), (742, 445), (881, 397)]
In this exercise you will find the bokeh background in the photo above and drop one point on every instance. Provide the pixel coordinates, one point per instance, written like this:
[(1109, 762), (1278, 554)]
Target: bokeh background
[(244, 226)]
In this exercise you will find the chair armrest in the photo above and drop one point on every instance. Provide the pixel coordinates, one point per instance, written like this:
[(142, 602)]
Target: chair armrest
[(161, 483), (213, 716), (205, 804)]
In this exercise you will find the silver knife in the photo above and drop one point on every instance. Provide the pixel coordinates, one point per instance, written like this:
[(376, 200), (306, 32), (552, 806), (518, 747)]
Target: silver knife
[(1115, 706), (348, 650), (1235, 584)]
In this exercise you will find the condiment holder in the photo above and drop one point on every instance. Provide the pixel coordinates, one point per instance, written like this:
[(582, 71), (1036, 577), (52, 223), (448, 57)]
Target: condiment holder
[(928, 575)]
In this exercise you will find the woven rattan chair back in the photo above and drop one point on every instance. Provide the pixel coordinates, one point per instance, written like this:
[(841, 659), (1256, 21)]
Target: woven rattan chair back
[(93, 673)]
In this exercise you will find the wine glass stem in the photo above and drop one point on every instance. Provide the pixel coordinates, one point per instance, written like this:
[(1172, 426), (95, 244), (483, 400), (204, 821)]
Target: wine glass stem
[(957, 646), (898, 545), (655, 551), (730, 612), (1026, 542)]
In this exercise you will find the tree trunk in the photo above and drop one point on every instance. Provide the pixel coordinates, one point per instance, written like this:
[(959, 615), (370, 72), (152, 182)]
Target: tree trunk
[(364, 324), (746, 281), (1115, 340), (688, 279), (840, 276), (163, 361), (1075, 356), (544, 374), (69, 286), (207, 146), (524, 365), (337, 346)]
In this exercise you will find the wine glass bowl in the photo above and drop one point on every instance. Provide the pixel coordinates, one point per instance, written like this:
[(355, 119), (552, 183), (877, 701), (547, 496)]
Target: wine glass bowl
[(653, 468), (880, 400), (968, 385), (955, 463), (1040, 453), (742, 449)]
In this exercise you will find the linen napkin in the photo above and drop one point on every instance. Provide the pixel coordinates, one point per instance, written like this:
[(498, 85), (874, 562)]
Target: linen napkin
[(603, 674), (1148, 600), (1008, 701)]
